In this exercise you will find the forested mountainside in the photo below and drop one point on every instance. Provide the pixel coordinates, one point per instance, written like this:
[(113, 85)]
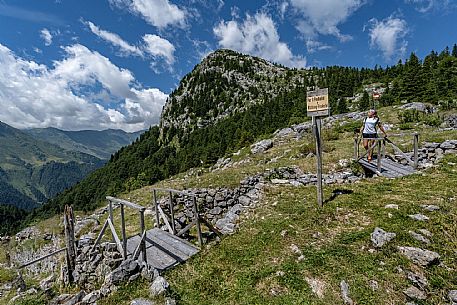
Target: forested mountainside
[(231, 99), (33, 171), (100, 144)]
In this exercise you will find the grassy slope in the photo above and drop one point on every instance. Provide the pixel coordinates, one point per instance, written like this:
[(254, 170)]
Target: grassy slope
[(243, 268)]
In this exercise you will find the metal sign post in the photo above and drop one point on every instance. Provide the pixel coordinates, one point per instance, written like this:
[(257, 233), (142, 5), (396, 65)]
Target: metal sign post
[(317, 106)]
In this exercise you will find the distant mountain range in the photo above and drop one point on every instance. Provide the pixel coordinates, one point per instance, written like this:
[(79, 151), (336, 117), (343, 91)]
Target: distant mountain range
[(100, 144), (37, 164)]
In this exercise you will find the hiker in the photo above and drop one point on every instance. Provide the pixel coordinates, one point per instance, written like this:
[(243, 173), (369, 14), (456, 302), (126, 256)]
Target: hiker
[(369, 131)]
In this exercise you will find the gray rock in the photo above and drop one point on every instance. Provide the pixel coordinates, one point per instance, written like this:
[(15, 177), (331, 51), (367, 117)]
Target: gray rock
[(286, 132), (425, 232), (419, 237), (279, 181), (215, 211), (391, 206), (261, 146), (448, 144), (142, 302), (47, 283), (417, 279), (415, 293), (379, 237), (92, 297), (419, 217), (430, 207), (420, 256), (244, 201), (75, 299), (169, 301), (452, 296), (159, 286), (345, 293)]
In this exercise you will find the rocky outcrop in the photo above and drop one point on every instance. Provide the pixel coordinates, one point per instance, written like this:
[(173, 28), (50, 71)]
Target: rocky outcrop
[(419, 256), (379, 237)]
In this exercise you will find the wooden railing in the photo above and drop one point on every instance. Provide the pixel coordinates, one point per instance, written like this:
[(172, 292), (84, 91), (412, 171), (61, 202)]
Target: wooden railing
[(109, 223), (169, 218), (380, 143)]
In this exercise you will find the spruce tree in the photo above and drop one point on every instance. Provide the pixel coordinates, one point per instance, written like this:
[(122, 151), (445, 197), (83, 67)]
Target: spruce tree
[(364, 103)]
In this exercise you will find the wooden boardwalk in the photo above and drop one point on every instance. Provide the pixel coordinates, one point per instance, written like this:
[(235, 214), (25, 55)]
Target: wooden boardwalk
[(389, 168), (163, 249)]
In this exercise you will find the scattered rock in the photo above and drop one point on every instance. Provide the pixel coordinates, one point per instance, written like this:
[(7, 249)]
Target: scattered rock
[(419, 217), (415, 293), (374, 285), (159, 286), (345, 293), (452, 296), (279, 181), (430, 207), (417, 279), (317, 286), (391, 206), (283, 233), (261, 146), (47, 283), (141, 302), (425, 232), (379, 237), (420, 256), (419, 237), (92, 297), (294, 248)]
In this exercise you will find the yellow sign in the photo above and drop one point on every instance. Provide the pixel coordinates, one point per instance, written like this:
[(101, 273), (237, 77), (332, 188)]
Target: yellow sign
[(317, 102)]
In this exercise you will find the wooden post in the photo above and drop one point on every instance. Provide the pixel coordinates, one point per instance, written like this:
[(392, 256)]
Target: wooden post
[(172, 214), (356, 148), (124, 236), (69, 224), (197, 219), (143, 243), (416, 149), (156, 208), (317, 134), (379, 156), (111, 216)]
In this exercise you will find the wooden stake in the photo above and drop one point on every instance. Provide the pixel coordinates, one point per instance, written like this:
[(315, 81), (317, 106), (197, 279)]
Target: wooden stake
[(69, 224), (317, 135), (416, 150)]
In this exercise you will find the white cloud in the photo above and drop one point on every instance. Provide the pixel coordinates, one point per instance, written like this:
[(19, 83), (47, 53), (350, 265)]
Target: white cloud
[(114, 39), (257, 36), (158, 46), (46, 36), (159, 13), (313, 46), (34, 95), (388, 36), (324, 16), (424, 6), (152, 46)]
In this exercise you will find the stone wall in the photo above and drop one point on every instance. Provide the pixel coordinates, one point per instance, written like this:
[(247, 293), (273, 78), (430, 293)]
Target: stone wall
[(430, 153)]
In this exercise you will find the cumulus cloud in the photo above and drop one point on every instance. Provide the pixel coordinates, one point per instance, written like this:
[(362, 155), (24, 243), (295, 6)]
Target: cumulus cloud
[(388, 36), (158, 46), (257, 35), (114, 39), (152, 46), (324, 16), (159, 13), (46, 36), (35, 95)]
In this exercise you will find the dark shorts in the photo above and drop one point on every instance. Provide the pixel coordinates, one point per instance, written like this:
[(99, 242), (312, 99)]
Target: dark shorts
[(370, 135)]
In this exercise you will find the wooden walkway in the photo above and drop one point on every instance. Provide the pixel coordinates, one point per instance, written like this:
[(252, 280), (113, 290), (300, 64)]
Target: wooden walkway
[(163, 249), (389, 168)]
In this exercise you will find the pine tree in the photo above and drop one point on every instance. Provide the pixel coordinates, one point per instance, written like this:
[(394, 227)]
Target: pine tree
[(454, 50), (364, 103), (342, 106), (413, 80)]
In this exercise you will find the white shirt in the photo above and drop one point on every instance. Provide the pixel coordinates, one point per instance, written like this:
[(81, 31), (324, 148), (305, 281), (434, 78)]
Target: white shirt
[(370, 125)]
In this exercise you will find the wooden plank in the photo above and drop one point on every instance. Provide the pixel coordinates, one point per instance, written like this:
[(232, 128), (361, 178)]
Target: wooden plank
[(181, 244), (185, 193), (210, 226), (187, 228), (100, 235), (372, 167), (137, 249), (398, 168), (173, 250), (125, 202)]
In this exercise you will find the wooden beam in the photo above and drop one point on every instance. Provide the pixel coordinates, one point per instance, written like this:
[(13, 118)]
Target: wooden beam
[(69, 227), (165, 219), (100, 235), (138, 247), (185, 193), (187, 228), (416, 150), (42, 258), (125, 202), (197, 219), (210, 226), (172, 214), (124, 236), (116, 238), (143, 243), (154, 192)]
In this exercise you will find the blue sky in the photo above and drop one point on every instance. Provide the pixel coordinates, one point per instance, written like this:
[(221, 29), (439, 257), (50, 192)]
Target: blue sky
[(111, 63)]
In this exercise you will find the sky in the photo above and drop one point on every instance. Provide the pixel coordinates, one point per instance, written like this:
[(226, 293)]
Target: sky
[(103, 64)]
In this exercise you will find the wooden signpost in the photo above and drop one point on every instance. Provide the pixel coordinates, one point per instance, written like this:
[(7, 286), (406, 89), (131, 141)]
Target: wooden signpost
[(317, 106)]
